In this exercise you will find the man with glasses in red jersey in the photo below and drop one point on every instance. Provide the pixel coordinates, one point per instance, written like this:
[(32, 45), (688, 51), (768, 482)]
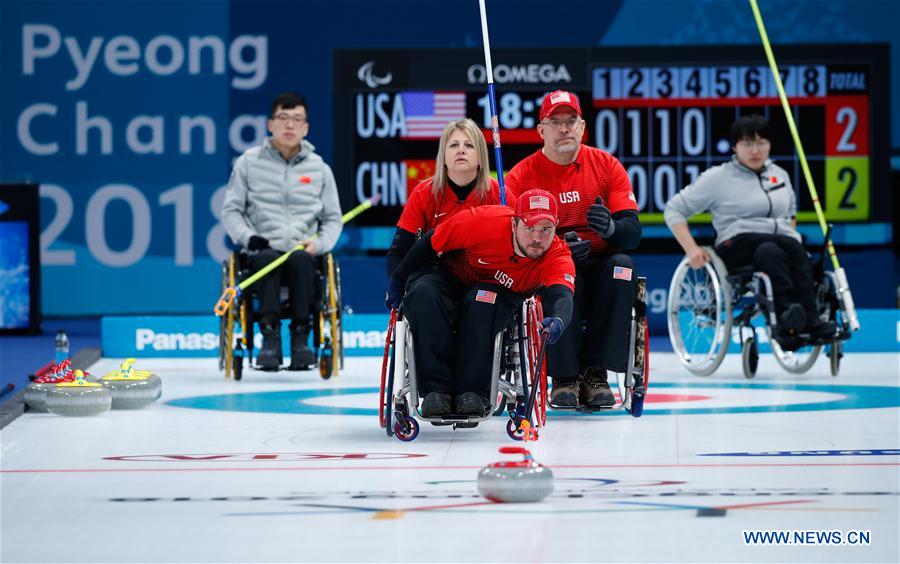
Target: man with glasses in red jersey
[(492, 258), (598, 218), (282, 194)]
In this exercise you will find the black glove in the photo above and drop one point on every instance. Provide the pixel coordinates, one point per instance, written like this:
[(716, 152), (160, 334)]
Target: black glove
[(394, 294), (600, 220), (257, 243), (554, 326), (580, 249)]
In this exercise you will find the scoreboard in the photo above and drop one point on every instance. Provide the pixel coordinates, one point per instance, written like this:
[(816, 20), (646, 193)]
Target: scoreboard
[(664, 112)]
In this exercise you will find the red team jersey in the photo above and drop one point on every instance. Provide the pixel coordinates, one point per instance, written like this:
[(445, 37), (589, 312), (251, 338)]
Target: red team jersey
[(423, 212), (576, 187), (478, 247)]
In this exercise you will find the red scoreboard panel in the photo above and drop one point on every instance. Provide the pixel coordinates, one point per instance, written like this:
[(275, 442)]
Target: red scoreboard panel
[(663, 111)]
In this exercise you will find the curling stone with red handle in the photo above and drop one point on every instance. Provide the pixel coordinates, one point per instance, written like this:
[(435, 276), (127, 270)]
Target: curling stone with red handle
[(522, 481)]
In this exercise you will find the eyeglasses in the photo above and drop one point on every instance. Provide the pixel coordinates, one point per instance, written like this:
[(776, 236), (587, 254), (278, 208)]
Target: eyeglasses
[(558, 123), (542, 231), (284, 118), (759, 144)]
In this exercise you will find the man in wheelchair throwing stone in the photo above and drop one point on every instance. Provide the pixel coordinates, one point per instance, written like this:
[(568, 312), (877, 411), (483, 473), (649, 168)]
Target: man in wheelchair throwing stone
[(282, 194), (753, 209), (492, 258)]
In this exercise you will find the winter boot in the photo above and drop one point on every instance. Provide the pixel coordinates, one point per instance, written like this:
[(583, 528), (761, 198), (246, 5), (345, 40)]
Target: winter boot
[(595, 390), (564, 393), (269, 357), (302, 358)]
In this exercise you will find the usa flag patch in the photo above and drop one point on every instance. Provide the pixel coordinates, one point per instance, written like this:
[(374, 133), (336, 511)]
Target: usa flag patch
[(569, 278), (486, 296), (621, 273)]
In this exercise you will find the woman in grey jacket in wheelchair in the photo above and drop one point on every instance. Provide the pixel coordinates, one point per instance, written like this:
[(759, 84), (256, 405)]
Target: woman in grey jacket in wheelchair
[(753, 209)]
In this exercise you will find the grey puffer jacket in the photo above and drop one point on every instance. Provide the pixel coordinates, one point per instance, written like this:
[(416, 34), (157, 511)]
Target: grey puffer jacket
[(285, 202), (740, 200)]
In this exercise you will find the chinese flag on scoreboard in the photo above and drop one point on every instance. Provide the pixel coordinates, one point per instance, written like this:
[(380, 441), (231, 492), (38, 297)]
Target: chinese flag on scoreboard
[(417, 171)]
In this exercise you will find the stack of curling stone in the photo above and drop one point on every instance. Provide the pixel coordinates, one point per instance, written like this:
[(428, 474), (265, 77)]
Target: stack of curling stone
[(523, 481), (130, 388), (78, 397), (36, 392)]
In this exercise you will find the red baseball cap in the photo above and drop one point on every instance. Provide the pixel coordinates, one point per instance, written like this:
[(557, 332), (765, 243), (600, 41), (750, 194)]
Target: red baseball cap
[(559, 99), (535, 205)]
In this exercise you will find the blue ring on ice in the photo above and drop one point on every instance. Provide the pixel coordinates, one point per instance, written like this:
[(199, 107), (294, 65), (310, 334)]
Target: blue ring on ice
[(295, 401)]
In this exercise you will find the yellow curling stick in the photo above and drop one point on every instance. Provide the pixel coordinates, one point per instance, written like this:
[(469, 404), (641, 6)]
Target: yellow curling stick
[(227, 297), (843, 289)]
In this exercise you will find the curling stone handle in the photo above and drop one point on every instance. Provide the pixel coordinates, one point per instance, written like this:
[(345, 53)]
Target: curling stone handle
[(516, 450)]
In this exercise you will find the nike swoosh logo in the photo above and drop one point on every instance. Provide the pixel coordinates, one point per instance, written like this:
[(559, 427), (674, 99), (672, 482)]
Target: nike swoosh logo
[(482, 262), (440, 214)]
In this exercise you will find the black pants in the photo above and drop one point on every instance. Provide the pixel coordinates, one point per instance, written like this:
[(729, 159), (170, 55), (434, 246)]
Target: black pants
[(783, 259), (598, 334), (453, 331), (298, 273)]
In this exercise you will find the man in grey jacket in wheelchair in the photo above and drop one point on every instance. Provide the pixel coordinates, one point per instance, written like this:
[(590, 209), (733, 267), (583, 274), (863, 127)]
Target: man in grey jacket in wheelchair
[(753, 209), (282, 194)]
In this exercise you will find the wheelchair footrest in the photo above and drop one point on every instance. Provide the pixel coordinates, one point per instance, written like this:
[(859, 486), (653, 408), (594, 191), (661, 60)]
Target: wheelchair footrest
[(582, 408)]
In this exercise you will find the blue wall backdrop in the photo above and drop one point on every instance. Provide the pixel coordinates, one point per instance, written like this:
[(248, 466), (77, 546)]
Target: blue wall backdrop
[(129, 115)]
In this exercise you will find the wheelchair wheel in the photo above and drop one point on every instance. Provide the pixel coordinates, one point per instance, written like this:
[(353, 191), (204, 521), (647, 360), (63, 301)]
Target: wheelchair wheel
[(339, 334), (795, 362), (226, 323), (750, 357), (406, 428), (223, 320), (835, 352), (636, 381), (333, 338), (514, 429), (699, 314), (537, 367), (326, 360), (238, 363), (384, 405)]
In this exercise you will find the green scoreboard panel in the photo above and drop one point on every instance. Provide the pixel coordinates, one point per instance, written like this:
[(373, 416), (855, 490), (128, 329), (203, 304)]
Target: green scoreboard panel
[(663, 111)]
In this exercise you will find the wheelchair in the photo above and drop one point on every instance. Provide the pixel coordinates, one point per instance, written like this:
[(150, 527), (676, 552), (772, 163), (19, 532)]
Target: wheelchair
[(519, 386), (236, 332), (705, 304), (635, 381)]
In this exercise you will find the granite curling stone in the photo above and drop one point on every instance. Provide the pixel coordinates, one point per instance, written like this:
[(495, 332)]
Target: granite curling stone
[(523, 481), (78, 398), (130, 388), (36, 392)]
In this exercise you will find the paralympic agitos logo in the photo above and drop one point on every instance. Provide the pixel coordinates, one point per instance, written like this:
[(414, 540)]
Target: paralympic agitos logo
[(367, 75)]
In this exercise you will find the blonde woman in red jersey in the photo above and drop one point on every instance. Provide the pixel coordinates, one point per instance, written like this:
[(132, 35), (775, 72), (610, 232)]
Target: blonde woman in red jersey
[(461, 181), (597, 206)]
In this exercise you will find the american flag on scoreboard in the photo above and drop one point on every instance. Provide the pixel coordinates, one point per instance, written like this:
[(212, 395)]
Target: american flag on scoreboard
[(428, 112)]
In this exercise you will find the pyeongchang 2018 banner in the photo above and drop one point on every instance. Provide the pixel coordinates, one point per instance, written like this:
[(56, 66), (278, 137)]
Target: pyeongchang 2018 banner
[(125, 114)]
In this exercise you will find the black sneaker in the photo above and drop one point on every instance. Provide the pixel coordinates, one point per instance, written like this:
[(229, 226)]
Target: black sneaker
[(564, 393), (820, 328), (269, 357), (595, 390), (436, 404), (302, 358), (792, 320), (471, 404)]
